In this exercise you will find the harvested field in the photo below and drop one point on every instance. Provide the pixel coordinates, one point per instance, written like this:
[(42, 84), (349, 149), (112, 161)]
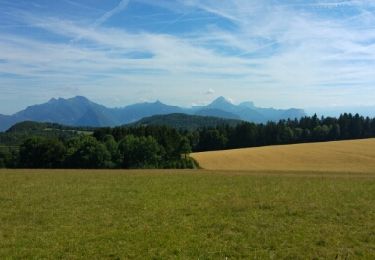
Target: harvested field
[(341, 156)]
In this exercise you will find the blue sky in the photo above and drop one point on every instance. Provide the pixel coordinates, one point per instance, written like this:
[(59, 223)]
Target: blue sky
[(277, 53)]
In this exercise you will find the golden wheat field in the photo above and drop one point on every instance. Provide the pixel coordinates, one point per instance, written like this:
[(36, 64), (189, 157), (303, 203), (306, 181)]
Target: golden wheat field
[(341, 156)]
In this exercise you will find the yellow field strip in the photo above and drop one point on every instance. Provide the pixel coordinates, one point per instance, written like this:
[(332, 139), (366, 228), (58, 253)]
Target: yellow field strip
[(344, 156)]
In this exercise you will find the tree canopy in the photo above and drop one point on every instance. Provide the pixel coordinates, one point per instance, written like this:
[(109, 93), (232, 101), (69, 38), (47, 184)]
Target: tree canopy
[(166, 147)]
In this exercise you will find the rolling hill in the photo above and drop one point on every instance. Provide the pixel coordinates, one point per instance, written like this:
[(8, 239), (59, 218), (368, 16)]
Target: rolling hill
[(29, 126), (342, 156), (80, 111), (187, 122), (19, 132)]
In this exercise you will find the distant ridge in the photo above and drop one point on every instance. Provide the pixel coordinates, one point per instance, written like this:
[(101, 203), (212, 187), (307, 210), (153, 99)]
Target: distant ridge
[(27, 126), (186, 122), (217, 113), (80, 111)]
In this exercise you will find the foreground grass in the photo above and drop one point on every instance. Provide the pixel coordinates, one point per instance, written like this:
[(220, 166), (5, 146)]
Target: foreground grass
[(186, 214)]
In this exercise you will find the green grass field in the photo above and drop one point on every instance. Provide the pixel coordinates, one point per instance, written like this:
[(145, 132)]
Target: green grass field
[(186, 215)]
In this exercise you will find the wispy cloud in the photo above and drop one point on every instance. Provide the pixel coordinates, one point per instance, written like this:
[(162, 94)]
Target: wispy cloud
[(289, 53), (120, 7)]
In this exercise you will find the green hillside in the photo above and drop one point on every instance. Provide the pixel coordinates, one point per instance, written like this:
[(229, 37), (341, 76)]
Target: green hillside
[(187, 122), (19, 132)]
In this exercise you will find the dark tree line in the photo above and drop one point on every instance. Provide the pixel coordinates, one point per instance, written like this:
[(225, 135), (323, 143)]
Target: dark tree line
[(304, 130), (87, 152), (165, 147)]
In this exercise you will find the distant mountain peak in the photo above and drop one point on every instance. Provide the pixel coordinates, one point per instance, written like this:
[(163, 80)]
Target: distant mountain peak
[(76, 98), (222, 99), (221, 102), (81, 99)]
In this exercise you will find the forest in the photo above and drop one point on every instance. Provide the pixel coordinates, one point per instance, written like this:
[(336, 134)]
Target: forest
[(156, 146)]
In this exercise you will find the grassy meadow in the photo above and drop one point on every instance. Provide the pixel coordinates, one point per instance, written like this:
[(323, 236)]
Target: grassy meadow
[(186, 214), (341, 156)]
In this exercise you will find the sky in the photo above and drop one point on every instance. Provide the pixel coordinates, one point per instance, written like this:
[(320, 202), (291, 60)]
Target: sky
[(317, 53)]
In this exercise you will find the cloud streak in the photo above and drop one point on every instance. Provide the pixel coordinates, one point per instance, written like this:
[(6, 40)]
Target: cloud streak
[(248, 51), (119, 8)]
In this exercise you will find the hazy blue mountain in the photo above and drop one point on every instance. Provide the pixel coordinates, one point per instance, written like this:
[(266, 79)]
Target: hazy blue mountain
[(72, 111), (79, 111), (247, 111), (292, 113), (272, 114), (184, 121), (216, 113), (65, 110), (96, 117), (135, 112), (223, 104), (7, 121), (251, 115)]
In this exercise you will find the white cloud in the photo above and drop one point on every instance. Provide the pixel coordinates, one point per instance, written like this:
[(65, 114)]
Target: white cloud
[(264, 56), (210, 91)]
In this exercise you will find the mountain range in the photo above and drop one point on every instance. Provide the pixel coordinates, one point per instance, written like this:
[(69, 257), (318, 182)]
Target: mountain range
[(80, 111)]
